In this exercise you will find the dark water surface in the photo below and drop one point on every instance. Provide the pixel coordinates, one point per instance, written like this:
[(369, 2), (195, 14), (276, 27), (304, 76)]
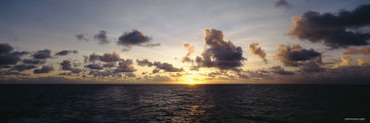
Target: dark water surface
[(183, 103)]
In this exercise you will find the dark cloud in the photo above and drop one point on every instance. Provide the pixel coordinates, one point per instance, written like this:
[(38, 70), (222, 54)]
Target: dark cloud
[(311, 66), (33, 61), (363, 50), (81, 37), (220, 53), (65, 52), (283, 4), (107, 57), (125, 66), (23, 67), (42, 54), (295, 55), (144, 62), (76, 70), (102, 37), (66, 65), (44, 69), (191, 50), (94, 57), (94, 66), (109, 65), (110, 57), (167, 67), (135, 38), (279, 70), (5, 48), (7, 57), (20, 53), (101, 73), (159, 66), (334, 30), (257, 51)]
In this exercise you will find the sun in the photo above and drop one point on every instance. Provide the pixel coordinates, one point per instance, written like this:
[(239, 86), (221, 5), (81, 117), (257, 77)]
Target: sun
[(191, 82)]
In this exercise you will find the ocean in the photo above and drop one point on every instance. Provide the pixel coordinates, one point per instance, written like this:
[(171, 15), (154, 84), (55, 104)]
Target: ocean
[(184, 103)]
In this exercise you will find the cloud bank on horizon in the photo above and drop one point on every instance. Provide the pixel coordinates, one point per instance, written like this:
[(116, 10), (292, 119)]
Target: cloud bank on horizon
[(324, 49)]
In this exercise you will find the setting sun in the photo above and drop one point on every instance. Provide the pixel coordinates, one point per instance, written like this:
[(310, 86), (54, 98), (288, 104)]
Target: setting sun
[(191, 82)]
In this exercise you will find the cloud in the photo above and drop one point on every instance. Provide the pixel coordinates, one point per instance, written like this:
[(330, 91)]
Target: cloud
[(125, 66), (33, 61), (5, 48), (311, 66), (334, 30), (363, 50), (191, 50), (7, 57), (167, 67), (283, 4), (23, 67), (102, 37), (144, 62), (44, 69), (106, 57), (94, 66), (42, 54), (159, 66), (279, 70), (363, 63), (81, 37), (257, 51), (65, 52), (135, 38), (110, 57), (294, 55), (345, 61), (94, 57), (66, 65), (219, 53)]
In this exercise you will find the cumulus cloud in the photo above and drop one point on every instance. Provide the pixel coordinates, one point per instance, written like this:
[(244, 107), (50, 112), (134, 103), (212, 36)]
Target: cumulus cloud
[(144, 62), (94, 57), (167, 67), (110, 57), (24, 67), (65, 52), (159, 66), (279, 70), (66, 65), (7, 57), (257, 51), (94, 66), (33, 61), (5, 48), (44, 69), (295, 55), (311, 66), (42, 54), (283, 4), (219, 53), (191, 50), (334, 30), (363, 50), (106, 57), (102, 37), (125, 66), (81, 37), (135, 38)]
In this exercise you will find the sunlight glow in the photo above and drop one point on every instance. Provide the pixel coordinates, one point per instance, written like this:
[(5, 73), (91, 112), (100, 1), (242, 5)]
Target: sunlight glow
[(191, 82)]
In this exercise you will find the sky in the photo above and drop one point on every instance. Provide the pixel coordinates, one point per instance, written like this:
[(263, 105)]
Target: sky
[(176, 42)]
